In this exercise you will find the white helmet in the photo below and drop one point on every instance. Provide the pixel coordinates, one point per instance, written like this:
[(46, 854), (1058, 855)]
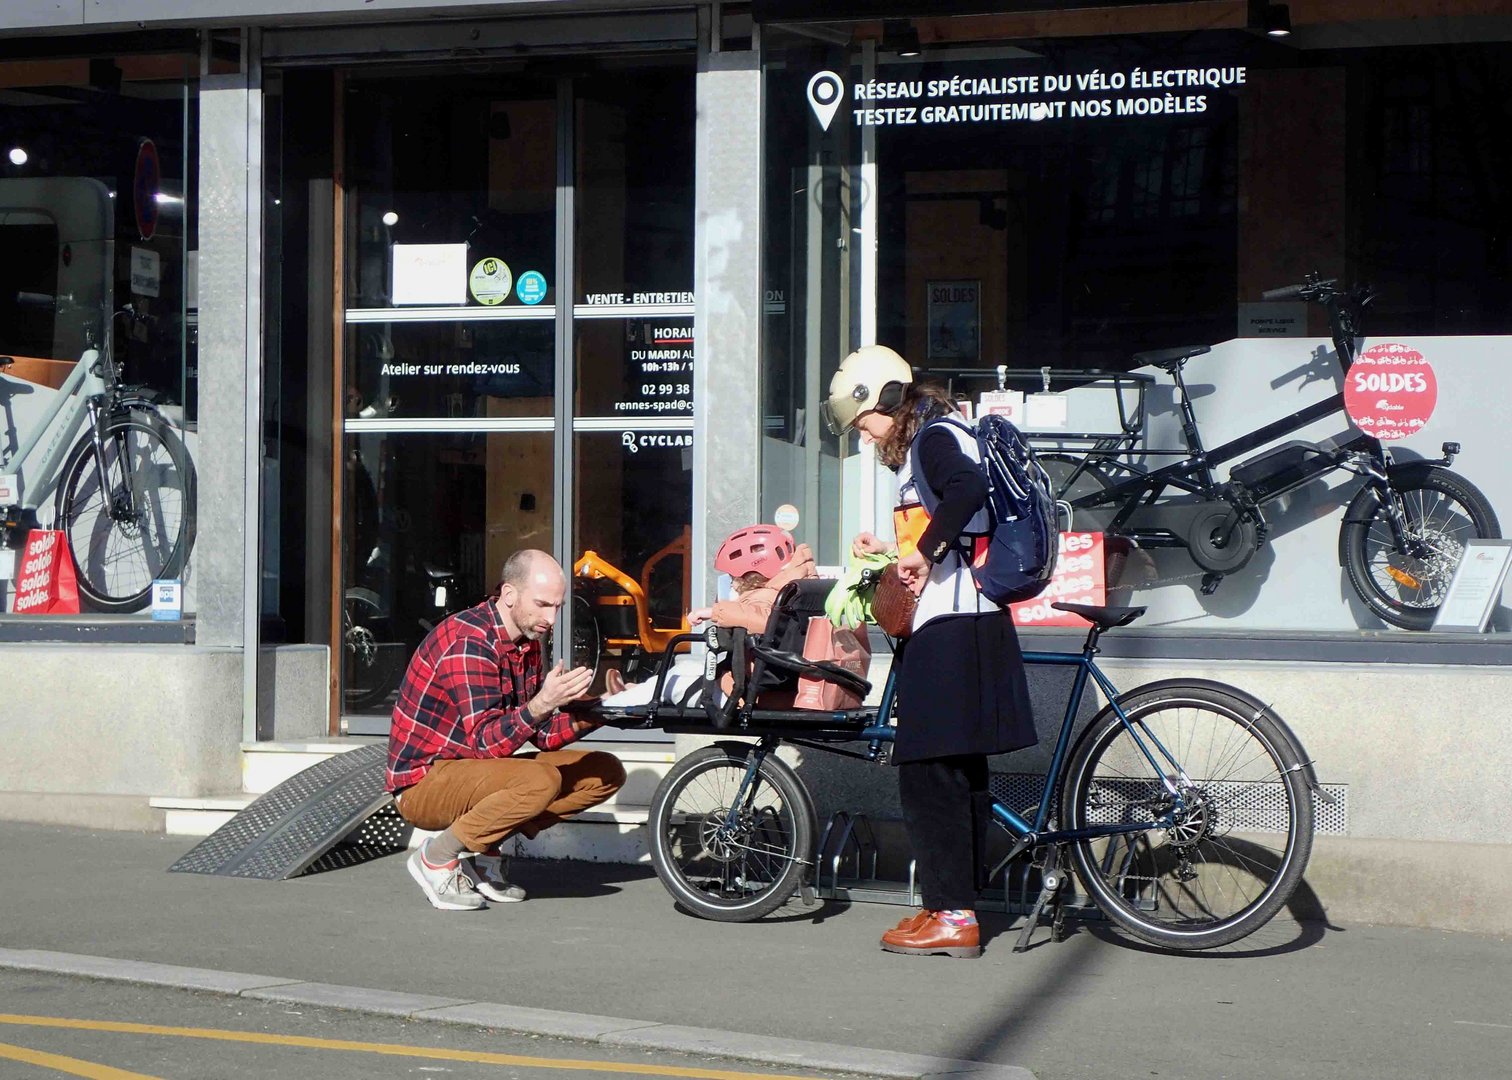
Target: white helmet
[(859, 385)]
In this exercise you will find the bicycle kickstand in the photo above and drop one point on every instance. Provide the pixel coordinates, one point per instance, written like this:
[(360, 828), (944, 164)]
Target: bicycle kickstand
[(1052, 878)]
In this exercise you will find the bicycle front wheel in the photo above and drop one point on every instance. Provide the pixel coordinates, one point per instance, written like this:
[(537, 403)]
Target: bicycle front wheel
[(129, 514), (726, 849), (1443, 512), (1231, 855)]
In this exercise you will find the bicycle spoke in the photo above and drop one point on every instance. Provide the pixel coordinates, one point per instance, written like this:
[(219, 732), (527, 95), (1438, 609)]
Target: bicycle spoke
[(131, 532), (1207, 861)]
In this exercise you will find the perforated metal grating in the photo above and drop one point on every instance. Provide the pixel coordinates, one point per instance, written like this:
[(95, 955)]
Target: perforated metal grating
[(1248, 807), (290, 827)]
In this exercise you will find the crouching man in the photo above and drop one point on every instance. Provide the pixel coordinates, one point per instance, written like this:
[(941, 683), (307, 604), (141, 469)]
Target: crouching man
[(473, 696)]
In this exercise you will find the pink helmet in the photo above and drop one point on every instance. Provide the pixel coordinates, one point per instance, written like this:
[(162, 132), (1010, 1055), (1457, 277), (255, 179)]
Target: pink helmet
[(760, 549)]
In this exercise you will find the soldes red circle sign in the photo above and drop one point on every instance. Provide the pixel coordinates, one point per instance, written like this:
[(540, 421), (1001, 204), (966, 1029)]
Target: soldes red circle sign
[(1390, 391)]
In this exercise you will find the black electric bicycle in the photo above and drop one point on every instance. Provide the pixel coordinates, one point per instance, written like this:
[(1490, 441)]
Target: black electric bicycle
[(1403, 532)]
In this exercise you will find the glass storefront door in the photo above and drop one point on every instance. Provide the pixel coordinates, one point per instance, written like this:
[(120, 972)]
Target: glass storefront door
[(508, 236)]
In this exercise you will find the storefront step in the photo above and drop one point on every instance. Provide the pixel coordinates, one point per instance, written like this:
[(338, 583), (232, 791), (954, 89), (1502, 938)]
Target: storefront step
[(201, 815), (265, 765), (609, 833)]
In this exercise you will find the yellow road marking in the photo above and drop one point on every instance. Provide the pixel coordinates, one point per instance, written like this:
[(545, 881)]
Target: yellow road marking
[(390, 1049), (72, 1066)]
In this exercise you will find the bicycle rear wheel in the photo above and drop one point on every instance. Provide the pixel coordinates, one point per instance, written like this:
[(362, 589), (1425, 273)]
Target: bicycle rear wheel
[(136, 527), (729, 855), (1236, 851)]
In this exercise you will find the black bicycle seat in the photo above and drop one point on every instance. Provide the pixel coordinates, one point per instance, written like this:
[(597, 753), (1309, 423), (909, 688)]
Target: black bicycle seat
[(436, 573), (7, 361), (1105, 618), (1170, 359)]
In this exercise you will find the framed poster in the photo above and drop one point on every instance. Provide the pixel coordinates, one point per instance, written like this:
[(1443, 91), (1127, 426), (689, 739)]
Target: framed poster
[(954, 319)]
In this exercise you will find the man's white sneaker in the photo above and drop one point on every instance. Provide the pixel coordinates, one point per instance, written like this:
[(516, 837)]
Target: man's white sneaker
[(487, 874), (447, 888)]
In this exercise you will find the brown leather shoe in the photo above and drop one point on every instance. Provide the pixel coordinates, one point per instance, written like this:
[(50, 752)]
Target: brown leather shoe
[(911, 922), (933, 936)]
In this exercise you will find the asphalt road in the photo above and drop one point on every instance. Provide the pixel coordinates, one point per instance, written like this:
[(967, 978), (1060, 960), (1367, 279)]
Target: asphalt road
[(185, 1035), (1299, 1001)]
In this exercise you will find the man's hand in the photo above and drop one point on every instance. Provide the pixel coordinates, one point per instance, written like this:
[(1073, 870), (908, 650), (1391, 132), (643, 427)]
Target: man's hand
[(913, 571), (558, 688), (700, 615)]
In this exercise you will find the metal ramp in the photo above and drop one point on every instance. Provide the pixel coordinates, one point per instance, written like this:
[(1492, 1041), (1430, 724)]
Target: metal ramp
[(284, 832)]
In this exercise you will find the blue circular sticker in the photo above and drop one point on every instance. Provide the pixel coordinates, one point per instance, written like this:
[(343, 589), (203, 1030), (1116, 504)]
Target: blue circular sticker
[(530, 287)]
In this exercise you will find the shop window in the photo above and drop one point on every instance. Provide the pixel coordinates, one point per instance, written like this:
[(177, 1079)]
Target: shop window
[(97, 299), (1068, 205)]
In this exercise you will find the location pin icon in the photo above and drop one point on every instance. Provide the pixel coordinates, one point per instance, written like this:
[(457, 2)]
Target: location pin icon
[(824, 92)]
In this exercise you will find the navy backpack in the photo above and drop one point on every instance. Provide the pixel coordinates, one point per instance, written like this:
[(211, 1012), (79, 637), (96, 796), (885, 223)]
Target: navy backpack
[(1013, 556)]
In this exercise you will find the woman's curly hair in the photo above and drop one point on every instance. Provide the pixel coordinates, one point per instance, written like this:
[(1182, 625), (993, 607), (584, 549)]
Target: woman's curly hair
[(922, 402)]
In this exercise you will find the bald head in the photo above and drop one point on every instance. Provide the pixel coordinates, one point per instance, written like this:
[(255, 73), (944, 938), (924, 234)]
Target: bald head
[(526, 564), (532, 588)]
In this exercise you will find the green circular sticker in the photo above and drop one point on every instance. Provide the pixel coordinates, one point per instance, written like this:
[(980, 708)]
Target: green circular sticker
[(490, 281)]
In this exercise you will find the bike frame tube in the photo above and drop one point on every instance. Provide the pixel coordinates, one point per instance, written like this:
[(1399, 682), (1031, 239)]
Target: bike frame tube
[(1201, 463), (1015, 824), (47, 468)]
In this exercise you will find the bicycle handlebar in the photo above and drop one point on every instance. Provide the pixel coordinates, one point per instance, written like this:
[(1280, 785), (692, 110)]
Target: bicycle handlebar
[(1314, 288)]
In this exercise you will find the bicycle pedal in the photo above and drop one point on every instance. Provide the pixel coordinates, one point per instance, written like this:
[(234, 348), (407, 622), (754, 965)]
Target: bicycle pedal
[(1210, 583)]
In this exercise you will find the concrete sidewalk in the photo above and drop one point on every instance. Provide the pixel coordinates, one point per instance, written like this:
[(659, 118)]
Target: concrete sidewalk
[(600, 952)]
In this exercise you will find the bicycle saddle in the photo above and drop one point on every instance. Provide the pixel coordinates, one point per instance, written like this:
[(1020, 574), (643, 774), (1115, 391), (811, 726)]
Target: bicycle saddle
[(436, 573), (1105, 618), (1170, 359), (6, 361)]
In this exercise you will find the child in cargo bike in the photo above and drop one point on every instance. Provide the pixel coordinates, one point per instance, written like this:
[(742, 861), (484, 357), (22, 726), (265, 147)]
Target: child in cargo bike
[(761, 560)]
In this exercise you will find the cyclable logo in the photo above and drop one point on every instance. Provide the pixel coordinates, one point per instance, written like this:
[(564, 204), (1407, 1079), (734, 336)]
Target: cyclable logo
[(825, 92)]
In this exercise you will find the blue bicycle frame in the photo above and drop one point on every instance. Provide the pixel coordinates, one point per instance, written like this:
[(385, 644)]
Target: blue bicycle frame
[(1026, 834)]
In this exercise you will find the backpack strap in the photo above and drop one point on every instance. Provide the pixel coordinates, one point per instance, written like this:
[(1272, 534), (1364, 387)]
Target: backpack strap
[(927, 496)]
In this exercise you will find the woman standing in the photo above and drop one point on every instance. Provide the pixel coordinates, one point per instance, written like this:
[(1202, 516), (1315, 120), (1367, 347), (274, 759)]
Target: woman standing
[(962, 691)]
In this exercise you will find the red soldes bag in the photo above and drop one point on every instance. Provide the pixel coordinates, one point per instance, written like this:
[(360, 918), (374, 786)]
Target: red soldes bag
[(850, 649), (46, 583)]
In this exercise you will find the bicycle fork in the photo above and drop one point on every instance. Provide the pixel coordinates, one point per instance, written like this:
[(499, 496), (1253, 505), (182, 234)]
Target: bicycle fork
[(741, 813), (125, 509)]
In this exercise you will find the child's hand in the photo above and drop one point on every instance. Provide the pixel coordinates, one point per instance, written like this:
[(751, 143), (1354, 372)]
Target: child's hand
[(869, 544), (703, 614)]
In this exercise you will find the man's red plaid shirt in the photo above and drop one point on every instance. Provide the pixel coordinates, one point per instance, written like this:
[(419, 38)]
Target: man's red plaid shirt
[(464, 696)]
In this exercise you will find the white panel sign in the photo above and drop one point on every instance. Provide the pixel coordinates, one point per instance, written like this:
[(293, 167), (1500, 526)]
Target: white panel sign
[(1476, 587), (167, 600), (429, 274), (1046, 412), (146, 272), (1279, 319)]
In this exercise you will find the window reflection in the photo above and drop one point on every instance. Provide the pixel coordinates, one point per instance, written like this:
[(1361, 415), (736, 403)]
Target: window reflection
[(424, 512), (634, 499)]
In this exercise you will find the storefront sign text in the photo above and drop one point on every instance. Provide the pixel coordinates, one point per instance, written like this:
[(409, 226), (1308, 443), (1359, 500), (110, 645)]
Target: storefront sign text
[(1086, 95), (659, 370), (606, 298), (1080, 578)]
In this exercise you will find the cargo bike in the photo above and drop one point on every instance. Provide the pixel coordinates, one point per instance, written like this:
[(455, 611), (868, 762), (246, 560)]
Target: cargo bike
[(1185, 806)]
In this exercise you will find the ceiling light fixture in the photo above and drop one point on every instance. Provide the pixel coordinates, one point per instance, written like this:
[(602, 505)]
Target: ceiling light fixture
[(1273, 20), (899, 36)]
